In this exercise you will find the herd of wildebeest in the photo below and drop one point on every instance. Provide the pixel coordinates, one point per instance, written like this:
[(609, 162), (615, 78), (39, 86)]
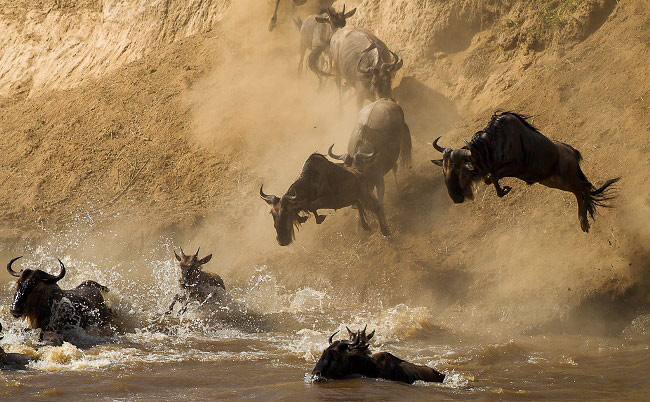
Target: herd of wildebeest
[(508, 146)]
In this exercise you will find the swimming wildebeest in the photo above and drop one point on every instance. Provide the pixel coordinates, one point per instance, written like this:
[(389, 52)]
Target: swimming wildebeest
[(317, 30), (509, 146), (380, 129), (350, 358), (12, 360), (362, 60), (317, 5), (322, 185), (48, 307), (196, 285)]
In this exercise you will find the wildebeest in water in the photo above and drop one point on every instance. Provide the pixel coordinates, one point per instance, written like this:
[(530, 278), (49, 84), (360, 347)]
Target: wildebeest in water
[(195, 284), (509, 146), (352, 358), (322, 184), (48, 307), (380, 129)]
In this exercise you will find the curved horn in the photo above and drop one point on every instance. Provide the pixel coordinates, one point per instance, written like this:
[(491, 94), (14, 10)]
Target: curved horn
[(182, 252), (270, 199), (349, 332), (11, 271), (332, 336), (364, 329), (333, 155), (177, 256), (397, 63), (62, 273), (343, 12), (367, 70), (438, 147), (197, 252), (369, 337)]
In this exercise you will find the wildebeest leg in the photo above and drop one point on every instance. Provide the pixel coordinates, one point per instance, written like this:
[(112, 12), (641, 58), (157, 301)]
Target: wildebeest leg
[(302, 60), (376, 207), (381, 188), (501, 192), (362, 216), (582, 211), (274, 17), (177, 298), (314, 206)]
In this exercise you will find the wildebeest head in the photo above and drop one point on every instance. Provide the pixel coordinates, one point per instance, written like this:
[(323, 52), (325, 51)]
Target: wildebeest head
[(360, 336), (360, 161), (459, 171), (286, 215), (342, 358), (29, 283), (336, 19), (190, 267), (380, 75)]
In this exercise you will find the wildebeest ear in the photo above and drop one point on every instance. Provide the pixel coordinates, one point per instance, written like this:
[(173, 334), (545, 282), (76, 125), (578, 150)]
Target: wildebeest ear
[(350, 13), (302, 219), (322, 20), (437, 162), (205, 260)]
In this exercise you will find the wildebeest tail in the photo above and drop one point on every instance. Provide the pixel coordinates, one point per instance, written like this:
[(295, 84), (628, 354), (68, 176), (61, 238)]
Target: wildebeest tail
[(313, 58), (94, 284), (599, 197), (405, 147), (298, 22)]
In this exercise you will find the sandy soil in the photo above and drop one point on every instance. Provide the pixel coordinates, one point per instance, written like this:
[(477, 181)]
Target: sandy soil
[(176, 138)]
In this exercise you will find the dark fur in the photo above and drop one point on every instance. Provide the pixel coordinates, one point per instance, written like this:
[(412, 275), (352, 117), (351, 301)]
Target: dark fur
[(509, 146), (319, 5), (37, 294), (322, 185), (195, 284), (343, 359)]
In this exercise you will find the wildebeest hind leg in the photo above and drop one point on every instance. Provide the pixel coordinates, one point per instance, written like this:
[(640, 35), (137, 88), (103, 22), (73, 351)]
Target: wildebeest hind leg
[(362, 216), (378, 210)]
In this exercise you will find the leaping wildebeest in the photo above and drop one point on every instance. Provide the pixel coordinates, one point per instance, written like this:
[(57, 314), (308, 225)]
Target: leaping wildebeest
[(322, 184), (317, 5), (316, 31), (362, 60), (350, 358), (382, 130), (195, 284), (48, 307), (509, 146)]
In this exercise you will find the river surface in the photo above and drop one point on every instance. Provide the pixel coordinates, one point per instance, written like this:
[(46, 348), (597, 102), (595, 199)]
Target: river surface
[(264, 340)]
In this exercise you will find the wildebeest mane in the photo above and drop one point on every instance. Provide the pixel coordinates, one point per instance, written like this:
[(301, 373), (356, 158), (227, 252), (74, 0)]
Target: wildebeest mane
[(483, 142)]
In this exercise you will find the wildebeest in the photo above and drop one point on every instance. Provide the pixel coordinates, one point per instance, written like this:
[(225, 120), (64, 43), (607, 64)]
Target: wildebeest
[(509, 146), (322, 185), (349, 358), (195, 284), (316, 31), (48, 307), (317, 5), (380, 129), (12, 360), (362, 60)]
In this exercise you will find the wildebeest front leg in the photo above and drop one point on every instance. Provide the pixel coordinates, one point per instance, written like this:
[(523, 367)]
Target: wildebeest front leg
[(177, 298), (381, 188), (501, 192), (314, 206)]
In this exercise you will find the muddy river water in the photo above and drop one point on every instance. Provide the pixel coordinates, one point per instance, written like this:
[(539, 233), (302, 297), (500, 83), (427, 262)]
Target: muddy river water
[(264, 341)]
